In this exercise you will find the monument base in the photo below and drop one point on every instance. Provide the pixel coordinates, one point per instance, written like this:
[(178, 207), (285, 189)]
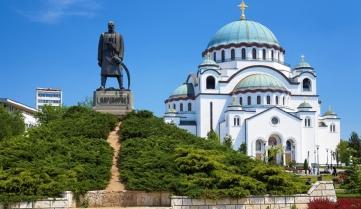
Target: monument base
[(114, 101)]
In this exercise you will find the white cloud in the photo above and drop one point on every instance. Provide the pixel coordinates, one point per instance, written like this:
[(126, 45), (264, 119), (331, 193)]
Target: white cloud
[(52, 11)]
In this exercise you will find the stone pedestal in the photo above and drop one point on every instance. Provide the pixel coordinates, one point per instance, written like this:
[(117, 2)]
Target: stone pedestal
[(113, 101)]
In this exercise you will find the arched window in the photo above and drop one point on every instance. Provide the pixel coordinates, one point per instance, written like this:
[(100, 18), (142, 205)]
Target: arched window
[(168, 107), (258, 100), (272, 55), (307, 122), (258, 145), (264, 54), (181, 107), (211, 82), (277, 100), (288, 145), (189, 107), (279, 56), (174, 107), (214, 56), (306, 84), (333, 128), (254, 53), (223, 56), (249, 100), (236, 121), (284, 100), (268, 100), (241, 101), (243, 54), (233, 54)]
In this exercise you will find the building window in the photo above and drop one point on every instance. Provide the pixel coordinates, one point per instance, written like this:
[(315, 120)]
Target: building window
[(258, 100), (272, 55), (241, 101), (254, 53), (333, 128), (236, 121), (275, 121), (259, 145), (277, 100), (264, 54), (243, 54), (181, 107), (215, 56), (284, 101), (174, 107), (223, 56), (210, 82), (306, 84), (168, 107), (288, 145), (249, 100), (307, 122), (189, 107), (268, 100), (233, 54)]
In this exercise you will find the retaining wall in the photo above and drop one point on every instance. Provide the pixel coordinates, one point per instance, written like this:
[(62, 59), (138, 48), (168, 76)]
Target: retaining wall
[(322, 189)]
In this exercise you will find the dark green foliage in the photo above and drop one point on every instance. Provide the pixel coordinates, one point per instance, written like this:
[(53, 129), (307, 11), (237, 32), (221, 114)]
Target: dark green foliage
[(50, 113), (11, 124), (227, 141), (67, 152), (344, 152), (355, 145), (160, 157), (243, 148), (305, 166), (213, 136)]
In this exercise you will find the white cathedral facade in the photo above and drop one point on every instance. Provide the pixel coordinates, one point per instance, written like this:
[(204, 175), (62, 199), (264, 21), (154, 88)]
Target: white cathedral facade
[(244, 89)]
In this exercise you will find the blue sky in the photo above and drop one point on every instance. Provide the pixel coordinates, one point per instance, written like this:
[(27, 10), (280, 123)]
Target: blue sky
[(53, 43)]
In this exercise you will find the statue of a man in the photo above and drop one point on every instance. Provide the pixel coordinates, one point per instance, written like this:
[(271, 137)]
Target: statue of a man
[(110, 55)]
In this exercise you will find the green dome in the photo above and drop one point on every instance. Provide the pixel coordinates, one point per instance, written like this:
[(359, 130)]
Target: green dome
[(305, 105), (303, 64), (184, 90), (330, 112), (243, 31), (208, 61), (259, 81)]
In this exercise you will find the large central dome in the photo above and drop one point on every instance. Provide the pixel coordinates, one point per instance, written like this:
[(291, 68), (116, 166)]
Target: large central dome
[(243, 31)]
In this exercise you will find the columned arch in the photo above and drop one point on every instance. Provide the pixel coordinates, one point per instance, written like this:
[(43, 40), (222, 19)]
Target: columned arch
[(275, 145), (290, 151)]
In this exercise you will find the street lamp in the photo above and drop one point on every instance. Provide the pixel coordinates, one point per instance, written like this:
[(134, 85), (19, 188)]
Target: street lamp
[(318, 160), (327, 157)]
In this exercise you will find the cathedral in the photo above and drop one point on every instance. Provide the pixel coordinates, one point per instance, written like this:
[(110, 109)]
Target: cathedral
[(244, 90)]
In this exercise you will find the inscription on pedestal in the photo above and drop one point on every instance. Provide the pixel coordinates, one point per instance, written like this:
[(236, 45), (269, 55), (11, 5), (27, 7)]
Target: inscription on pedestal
[(117, 102)]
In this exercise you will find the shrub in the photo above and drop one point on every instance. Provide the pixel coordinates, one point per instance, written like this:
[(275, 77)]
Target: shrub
[(11, 124), (161, 157), (67, 152), (322, 204), (349, 203)]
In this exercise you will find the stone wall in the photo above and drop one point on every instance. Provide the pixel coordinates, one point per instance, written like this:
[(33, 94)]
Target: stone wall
[(126, 199), (322, 189)]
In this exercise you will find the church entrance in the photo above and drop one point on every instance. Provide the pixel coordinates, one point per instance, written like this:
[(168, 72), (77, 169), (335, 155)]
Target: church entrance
[(275, 151), (290, 151)]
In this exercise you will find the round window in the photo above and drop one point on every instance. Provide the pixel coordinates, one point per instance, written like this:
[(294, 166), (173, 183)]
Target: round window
[(275, 121)]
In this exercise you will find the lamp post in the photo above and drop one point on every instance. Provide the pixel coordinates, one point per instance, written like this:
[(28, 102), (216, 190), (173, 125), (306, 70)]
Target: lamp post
[(327, 157), (332, 155), (318, 160), (314, 165)]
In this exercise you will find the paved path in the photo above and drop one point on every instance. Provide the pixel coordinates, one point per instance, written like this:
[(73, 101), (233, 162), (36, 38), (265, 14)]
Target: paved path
[(114, 184)]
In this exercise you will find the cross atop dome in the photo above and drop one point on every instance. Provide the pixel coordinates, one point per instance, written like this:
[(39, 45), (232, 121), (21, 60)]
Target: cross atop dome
[(243, 6)]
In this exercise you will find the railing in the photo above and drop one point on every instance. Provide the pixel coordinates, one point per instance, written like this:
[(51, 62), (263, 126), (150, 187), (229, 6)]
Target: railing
[(254, 60)]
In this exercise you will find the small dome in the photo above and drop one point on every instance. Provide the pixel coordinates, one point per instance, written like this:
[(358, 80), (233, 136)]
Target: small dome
[(330, 112), (243, 31), (208, 62), (304, 105), (260, 81), (185, 90), (303, 64)]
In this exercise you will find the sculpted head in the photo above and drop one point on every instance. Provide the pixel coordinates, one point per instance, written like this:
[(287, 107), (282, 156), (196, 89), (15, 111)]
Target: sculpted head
[(111, 26)]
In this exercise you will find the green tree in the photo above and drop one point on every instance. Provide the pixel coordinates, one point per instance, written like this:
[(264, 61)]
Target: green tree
[(355, 144), (11, 123), (344, 152), (355, 177), (227, 141), (50, 113), (243, 148), (272, 154), (88, 102), (305, 166), (213, 136)]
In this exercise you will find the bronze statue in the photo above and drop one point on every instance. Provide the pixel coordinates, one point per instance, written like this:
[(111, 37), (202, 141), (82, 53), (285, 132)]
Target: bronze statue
[(110, 56)]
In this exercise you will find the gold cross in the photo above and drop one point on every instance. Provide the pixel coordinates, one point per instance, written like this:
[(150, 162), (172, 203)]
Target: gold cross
[(243, 6)]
